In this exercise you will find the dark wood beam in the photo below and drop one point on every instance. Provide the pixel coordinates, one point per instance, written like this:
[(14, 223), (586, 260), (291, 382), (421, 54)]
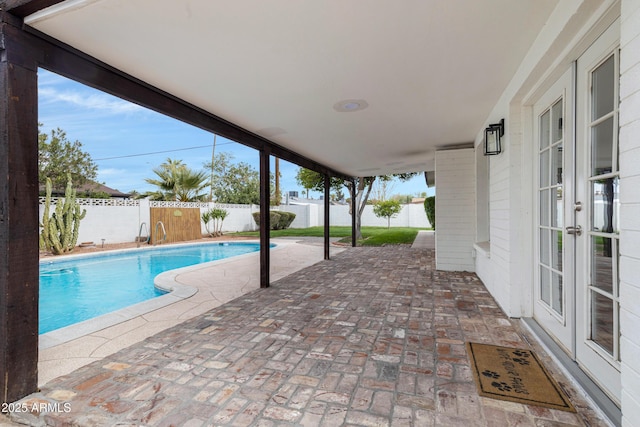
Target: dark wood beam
[(354, 212), (22, 8), (18, 227), (327, 223), (265, 218)]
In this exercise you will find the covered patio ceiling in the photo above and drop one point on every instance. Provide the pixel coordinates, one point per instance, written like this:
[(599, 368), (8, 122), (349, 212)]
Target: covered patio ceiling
[(365, 87)]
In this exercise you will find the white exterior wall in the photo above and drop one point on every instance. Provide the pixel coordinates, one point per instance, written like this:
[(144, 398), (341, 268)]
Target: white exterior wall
[(630, 210), (500, 262), (493, 263), (504, 263), (455, 209)]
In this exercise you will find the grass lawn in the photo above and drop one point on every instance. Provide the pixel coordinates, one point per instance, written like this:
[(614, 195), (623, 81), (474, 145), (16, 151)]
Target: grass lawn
[(373, 236)]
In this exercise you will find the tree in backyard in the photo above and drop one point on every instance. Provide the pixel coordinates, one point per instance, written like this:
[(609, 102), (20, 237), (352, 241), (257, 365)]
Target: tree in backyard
[(387, 209), (307, 179), (236, 183), (176, 181), (337, 195), (58, 157), (382, 189), (359, 189)]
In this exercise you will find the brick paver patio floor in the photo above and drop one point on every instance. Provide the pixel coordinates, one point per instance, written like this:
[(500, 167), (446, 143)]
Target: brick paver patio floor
[(374, 337)]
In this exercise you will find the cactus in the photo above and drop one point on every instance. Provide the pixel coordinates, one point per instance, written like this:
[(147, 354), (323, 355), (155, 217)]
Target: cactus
[(60, 230)]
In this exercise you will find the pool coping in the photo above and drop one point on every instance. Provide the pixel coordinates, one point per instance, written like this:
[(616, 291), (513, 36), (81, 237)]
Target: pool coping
[(165, 281)]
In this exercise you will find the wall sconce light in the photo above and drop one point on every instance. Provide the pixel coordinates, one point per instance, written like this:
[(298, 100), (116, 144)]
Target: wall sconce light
[(492, 136)]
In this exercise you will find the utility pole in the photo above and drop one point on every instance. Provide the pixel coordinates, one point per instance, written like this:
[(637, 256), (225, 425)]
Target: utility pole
[(213, 154)]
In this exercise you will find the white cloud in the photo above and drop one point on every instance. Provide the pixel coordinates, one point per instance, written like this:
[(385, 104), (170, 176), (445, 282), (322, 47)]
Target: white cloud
[(92, 101), (107, 172)]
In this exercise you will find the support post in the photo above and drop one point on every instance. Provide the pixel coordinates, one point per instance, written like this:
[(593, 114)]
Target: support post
[(19, 223), (354, 212), (327, 224), (265, 218)]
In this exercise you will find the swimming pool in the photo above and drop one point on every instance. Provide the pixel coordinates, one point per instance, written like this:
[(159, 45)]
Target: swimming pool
[(82, 288)]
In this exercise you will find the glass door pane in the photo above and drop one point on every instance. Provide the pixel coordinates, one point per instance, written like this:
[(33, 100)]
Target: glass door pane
[(602, 229), (597, 297), (551, 204)]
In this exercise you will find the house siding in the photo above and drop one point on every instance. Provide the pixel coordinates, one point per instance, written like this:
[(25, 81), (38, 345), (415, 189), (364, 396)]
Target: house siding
[(630, 210), (493, 265), (504, 263), (455, 209)]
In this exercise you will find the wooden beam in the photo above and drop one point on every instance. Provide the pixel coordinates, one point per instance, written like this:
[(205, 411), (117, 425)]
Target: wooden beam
[(265, 218), (354, 212), (327, 223), (19, 228), (22, 8)]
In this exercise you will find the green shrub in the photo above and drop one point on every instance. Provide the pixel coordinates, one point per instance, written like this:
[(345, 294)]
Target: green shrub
[(286, 218), (430, 209), (280, 220)]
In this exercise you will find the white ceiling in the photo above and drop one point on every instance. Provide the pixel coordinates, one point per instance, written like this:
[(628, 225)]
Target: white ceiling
[(429, 70)]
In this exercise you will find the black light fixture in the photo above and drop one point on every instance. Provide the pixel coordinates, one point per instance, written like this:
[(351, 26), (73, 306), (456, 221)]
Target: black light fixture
[(492, 136)]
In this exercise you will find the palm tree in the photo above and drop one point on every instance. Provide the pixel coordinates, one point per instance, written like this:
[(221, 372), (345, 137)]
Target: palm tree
[(178, 182)]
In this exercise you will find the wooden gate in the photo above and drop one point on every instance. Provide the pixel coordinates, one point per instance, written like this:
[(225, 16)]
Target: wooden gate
[(181, 224)]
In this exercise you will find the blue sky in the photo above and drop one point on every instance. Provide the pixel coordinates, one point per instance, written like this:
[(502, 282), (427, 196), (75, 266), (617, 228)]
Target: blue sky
[(126, 141)]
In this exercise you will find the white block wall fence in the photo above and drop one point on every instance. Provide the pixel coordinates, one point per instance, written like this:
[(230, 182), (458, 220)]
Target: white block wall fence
[(120, 220)]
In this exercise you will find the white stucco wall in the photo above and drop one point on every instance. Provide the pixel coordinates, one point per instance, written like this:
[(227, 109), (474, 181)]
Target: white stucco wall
[(455, 209), (630, 210)]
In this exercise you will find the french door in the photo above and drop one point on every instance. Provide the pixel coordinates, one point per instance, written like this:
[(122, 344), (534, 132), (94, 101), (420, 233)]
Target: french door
[(554, 305), (597, 248), (577, 284)]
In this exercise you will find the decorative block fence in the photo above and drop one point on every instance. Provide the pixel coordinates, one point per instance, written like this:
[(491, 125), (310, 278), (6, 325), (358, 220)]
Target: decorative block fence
[(123, 220)]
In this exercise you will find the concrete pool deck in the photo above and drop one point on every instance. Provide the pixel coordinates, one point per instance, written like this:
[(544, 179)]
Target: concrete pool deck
[(211, 284)]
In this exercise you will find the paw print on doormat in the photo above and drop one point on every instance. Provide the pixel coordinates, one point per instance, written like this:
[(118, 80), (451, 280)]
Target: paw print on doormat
[(491, 374), (522, 362), (522, 358), (501, 386)]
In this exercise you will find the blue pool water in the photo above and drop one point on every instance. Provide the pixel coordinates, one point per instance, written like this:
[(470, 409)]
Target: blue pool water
[(75, 290)]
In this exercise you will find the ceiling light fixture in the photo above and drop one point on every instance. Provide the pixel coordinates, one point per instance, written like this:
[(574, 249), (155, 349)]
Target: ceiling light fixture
[(350, 105)]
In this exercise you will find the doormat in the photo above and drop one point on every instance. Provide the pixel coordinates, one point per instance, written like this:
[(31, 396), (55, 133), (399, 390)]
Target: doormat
[(515, 375)]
